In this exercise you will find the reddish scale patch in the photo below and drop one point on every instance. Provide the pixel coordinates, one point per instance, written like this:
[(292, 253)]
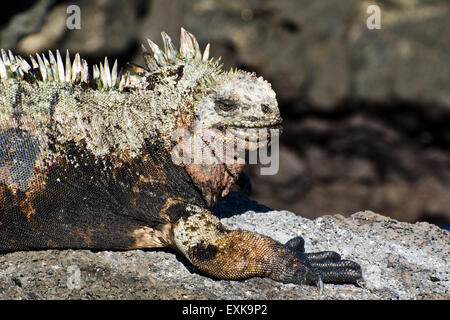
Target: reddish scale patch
[(214, 181)]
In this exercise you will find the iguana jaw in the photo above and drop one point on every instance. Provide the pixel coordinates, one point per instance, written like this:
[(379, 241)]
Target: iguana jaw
[(275, 124), (215, 180), (255, 137)]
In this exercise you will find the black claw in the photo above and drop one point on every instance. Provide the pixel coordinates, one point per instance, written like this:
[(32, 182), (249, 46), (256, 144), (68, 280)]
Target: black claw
[(297, 243), (319, 285), (360, 282)]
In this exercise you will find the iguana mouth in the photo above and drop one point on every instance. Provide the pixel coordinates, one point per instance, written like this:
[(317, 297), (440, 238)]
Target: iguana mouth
[(261, 136), (272, 126), (252, 125)]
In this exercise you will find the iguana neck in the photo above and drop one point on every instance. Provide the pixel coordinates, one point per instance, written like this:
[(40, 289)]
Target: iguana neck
[(214, 181)]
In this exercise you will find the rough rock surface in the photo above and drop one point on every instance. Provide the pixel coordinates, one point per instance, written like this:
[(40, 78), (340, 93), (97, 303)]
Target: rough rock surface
[(399, 260)]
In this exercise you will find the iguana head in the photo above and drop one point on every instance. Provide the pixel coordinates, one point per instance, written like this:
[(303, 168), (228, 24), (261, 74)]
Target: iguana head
[(230, 101), (237, 101), (231, 105)]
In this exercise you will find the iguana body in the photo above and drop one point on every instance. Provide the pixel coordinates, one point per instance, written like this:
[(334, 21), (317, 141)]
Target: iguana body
[(86, 162)]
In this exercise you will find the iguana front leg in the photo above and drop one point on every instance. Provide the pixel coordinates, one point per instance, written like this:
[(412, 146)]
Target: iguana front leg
[(239, 254)]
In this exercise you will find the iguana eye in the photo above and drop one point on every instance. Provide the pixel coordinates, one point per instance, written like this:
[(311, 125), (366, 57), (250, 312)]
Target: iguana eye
[(226, 104), (265, 108)]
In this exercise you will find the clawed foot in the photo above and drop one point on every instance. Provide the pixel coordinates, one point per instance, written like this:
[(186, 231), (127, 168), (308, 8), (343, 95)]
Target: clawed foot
[(321, 267), (241, 254)]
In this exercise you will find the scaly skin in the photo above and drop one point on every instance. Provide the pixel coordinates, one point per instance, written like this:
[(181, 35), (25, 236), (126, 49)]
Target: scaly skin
[(86, 161)]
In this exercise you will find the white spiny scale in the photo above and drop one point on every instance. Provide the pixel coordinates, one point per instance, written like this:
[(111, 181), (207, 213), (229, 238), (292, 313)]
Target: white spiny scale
[(84, 71), (114, 73), (20, 71), (42, 67), (107, 73), (53, 65), (95, 72), (3, 73), (60, 66), (102, 75), (15, 69), (197, 52), (119, 76), (123, 80), (186, 45), (150, 61), (76, 69), (47, 68), (157, 53), (24, 65), (206, 54), (79, 66), (97, 76), (33, 62), (68, 70), (127, 80), (11, 57), (5, 58), (169, 48)]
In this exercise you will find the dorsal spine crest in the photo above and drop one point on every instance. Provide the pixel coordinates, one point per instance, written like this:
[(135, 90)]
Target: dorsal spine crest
[(52, 67)]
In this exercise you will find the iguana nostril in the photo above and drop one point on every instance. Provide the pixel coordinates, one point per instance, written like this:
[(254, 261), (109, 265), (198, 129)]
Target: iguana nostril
[(266, 109)]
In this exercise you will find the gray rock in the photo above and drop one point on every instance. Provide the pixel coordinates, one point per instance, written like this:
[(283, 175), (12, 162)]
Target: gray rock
[(399, 260)]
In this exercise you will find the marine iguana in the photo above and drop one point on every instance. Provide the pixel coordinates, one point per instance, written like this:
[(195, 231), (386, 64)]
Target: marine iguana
[(86, 161)]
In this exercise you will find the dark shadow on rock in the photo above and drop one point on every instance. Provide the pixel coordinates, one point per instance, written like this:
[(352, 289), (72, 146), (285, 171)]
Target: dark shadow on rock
[(235, 204)]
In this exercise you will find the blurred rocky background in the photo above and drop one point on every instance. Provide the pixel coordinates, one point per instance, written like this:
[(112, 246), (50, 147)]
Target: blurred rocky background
[(366, 112)]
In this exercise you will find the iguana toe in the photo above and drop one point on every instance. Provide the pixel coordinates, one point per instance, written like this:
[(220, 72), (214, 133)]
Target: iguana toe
[(328, 265)]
